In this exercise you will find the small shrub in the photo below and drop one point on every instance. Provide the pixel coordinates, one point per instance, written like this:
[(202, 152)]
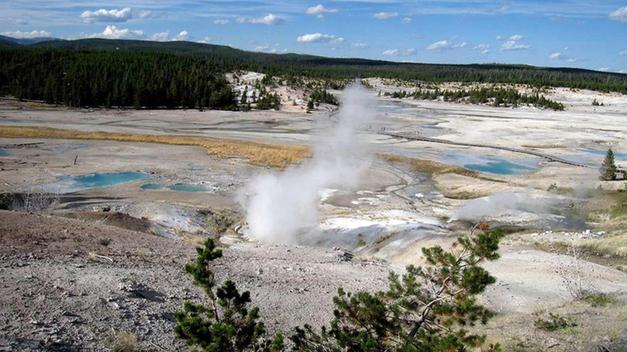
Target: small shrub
[(553, 323), (572, 274), (104, 241), (124, 342)]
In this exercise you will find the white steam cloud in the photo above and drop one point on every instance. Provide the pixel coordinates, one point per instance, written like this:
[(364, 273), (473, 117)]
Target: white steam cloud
[(281, 206)]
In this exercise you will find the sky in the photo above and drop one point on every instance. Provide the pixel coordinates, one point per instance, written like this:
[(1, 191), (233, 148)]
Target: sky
[(588, 34)]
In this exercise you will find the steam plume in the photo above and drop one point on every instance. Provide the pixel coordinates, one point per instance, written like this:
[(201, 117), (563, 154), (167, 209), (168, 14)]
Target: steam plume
[(279, 206)]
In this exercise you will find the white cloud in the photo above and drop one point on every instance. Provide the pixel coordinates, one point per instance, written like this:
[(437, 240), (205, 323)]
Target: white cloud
[(398, 52), (440, 45), (31, 34), (557, 56), (391, 52), (483, 48), (221, 21), (513, 38), (205, 40), (604, 69), (619, 15), (113, 32), (144, 14), (406, 20), (385, 15), (161, 36), (319, 10), (623, 53), (165, 37), (269, 20), (511, 45), (359, 45), (562, 57), (102, 15), (445, 44), (182, 36), (272, 49), (319, 38)]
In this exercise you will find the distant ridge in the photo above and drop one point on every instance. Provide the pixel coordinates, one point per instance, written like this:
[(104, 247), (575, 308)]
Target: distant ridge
[(223, 51), (25, 41)]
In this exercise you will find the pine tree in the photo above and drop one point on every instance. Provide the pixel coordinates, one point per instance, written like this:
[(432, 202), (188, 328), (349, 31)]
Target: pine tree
[(608, 168), (428, 309), (225, 324), (244, 99)]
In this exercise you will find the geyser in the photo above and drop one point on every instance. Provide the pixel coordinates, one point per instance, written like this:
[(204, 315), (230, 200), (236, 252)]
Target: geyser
[(280, 206)]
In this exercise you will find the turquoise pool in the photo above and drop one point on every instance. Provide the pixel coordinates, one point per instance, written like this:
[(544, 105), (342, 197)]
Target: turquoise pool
[(501, 167), (101, 179)]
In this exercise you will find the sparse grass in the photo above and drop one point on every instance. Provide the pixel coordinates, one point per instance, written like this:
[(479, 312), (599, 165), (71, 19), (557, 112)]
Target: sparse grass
[(598, 299), (613, 245), (124, 342), (619, 210), (261, 154), (429, 166), (384, 238), (554, 322)]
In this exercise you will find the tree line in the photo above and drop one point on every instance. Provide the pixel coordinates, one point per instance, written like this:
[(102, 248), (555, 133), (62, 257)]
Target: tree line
[(495, 96)]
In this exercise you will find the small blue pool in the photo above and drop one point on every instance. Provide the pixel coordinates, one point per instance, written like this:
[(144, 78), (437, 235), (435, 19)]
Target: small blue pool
[(4, 152), (501, 167), (492, 164), (101, 179)]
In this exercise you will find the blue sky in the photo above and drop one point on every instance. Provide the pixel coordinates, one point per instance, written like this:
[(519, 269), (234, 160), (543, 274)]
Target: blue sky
[(574, 33)]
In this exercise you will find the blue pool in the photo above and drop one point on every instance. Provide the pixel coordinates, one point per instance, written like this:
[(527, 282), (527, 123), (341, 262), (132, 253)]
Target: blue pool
[(492, 164), (501, 167), (101, 179), (4, 152)]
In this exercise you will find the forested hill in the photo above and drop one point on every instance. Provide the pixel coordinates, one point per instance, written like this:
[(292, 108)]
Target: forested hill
[(114, 79), (322, 67), (122, 73)]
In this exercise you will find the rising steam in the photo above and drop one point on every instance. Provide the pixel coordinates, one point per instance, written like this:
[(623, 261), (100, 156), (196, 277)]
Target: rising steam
[(280, 206)]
